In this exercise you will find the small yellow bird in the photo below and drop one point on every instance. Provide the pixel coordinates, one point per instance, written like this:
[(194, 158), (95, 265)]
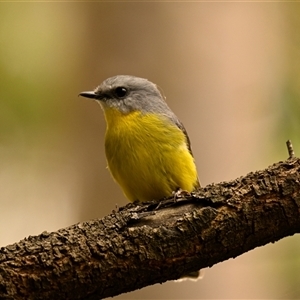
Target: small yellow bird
[(147, 148)]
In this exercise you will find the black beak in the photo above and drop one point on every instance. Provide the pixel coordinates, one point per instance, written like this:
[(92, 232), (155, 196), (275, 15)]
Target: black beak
[(90, 95)]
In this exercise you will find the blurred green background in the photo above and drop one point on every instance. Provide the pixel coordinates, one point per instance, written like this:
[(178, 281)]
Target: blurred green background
[(231, 73)]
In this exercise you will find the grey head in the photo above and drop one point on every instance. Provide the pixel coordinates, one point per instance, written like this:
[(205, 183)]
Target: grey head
[(129, 93)]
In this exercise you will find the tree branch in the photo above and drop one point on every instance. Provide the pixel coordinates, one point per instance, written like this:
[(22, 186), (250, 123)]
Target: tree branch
[(144, 244)]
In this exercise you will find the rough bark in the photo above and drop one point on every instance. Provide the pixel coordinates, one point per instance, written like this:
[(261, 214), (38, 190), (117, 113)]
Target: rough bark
[(144, 244)]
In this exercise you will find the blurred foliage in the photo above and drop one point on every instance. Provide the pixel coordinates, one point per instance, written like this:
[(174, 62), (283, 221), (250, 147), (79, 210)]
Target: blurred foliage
[(31, 57), (290, 115), (289, 123)]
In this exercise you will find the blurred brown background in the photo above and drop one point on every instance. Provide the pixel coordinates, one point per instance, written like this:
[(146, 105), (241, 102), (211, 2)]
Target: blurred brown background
[(230, 72)]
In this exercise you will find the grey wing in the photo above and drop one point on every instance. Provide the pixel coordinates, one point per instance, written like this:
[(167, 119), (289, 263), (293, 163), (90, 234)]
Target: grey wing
[(182, 128)]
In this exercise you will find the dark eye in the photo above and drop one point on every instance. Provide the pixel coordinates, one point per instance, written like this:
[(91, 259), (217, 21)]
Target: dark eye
[(120, 92)]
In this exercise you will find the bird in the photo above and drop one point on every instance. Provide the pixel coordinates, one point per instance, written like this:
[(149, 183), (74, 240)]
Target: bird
[(148, 150)]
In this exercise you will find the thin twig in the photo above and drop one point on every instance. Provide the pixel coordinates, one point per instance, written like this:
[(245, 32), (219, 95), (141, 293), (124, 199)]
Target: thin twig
[(290, 148)]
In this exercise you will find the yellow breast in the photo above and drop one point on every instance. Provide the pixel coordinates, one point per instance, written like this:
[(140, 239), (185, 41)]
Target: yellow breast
[(147, 155)]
